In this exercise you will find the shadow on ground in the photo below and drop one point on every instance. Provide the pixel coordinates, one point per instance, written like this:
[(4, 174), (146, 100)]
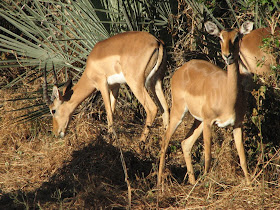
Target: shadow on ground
[(93, 179)]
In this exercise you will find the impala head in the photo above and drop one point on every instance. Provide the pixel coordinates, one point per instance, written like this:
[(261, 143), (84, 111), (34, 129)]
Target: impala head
[(229, 39), (58, 106)]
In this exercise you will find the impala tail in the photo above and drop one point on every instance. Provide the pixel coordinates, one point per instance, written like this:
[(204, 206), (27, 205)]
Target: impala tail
[(157, 72)]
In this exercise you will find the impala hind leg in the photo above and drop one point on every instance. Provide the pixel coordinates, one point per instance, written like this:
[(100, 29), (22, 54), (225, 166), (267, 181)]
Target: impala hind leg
[(187, 145), (150, 107), (176, 116), (160, 98), (237, 134)]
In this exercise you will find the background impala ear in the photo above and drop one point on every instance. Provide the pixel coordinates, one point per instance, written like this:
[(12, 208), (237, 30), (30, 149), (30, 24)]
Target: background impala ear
[(212, 28), (246, 27), (67, 90), (55, 93), (67, 86)]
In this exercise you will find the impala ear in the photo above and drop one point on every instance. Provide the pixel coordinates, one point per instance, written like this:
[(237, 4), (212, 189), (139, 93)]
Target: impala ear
[(246, 27), (212, 28), (67, 86), (55, 94), (67, 90)]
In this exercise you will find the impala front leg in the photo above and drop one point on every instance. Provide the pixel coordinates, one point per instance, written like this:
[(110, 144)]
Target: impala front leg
[(207, 145), (237, 134), (114, 93), (107, 102)]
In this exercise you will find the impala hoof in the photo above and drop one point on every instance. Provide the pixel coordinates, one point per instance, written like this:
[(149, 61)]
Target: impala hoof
[(192, 180), (61, 134)]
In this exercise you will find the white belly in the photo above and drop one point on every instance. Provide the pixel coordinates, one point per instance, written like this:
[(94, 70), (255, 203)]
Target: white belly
[(116, 79)]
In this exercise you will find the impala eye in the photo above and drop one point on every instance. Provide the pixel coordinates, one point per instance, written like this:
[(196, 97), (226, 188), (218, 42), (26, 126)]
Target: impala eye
[(53, 111)]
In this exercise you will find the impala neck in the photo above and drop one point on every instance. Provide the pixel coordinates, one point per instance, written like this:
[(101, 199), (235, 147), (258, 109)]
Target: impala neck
[(233, 84), (81, 91)]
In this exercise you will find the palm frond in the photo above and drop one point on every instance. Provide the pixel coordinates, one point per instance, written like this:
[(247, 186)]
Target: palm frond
[(51, 32)]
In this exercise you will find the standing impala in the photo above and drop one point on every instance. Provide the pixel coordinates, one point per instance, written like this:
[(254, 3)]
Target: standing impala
[(252, 58), (135, 58), (211, 95)]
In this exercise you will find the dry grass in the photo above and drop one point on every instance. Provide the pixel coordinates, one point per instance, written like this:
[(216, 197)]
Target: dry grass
[(84, 170)]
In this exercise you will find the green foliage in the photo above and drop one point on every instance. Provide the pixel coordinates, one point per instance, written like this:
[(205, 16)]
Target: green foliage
[(49, 32), (232, 12), (173, 148), (134, 15)]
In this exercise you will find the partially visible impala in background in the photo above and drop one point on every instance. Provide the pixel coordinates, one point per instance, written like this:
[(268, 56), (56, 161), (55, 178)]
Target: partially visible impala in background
[(211, 95), (135, 58), (253, 58)]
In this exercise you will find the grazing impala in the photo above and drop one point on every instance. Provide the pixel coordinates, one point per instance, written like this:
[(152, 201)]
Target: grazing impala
[(252, 58), (211, 95), (135, 58)]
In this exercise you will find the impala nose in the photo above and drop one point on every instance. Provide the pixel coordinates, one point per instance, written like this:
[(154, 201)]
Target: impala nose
[(228, 58), (58, 133)]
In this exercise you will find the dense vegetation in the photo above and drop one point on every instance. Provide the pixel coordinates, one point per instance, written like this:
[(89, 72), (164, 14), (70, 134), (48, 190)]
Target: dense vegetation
[(83, 170)]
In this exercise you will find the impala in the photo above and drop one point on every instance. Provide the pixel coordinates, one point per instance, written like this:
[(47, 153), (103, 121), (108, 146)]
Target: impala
[(211, 95), (252, 58), (134, 58)]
